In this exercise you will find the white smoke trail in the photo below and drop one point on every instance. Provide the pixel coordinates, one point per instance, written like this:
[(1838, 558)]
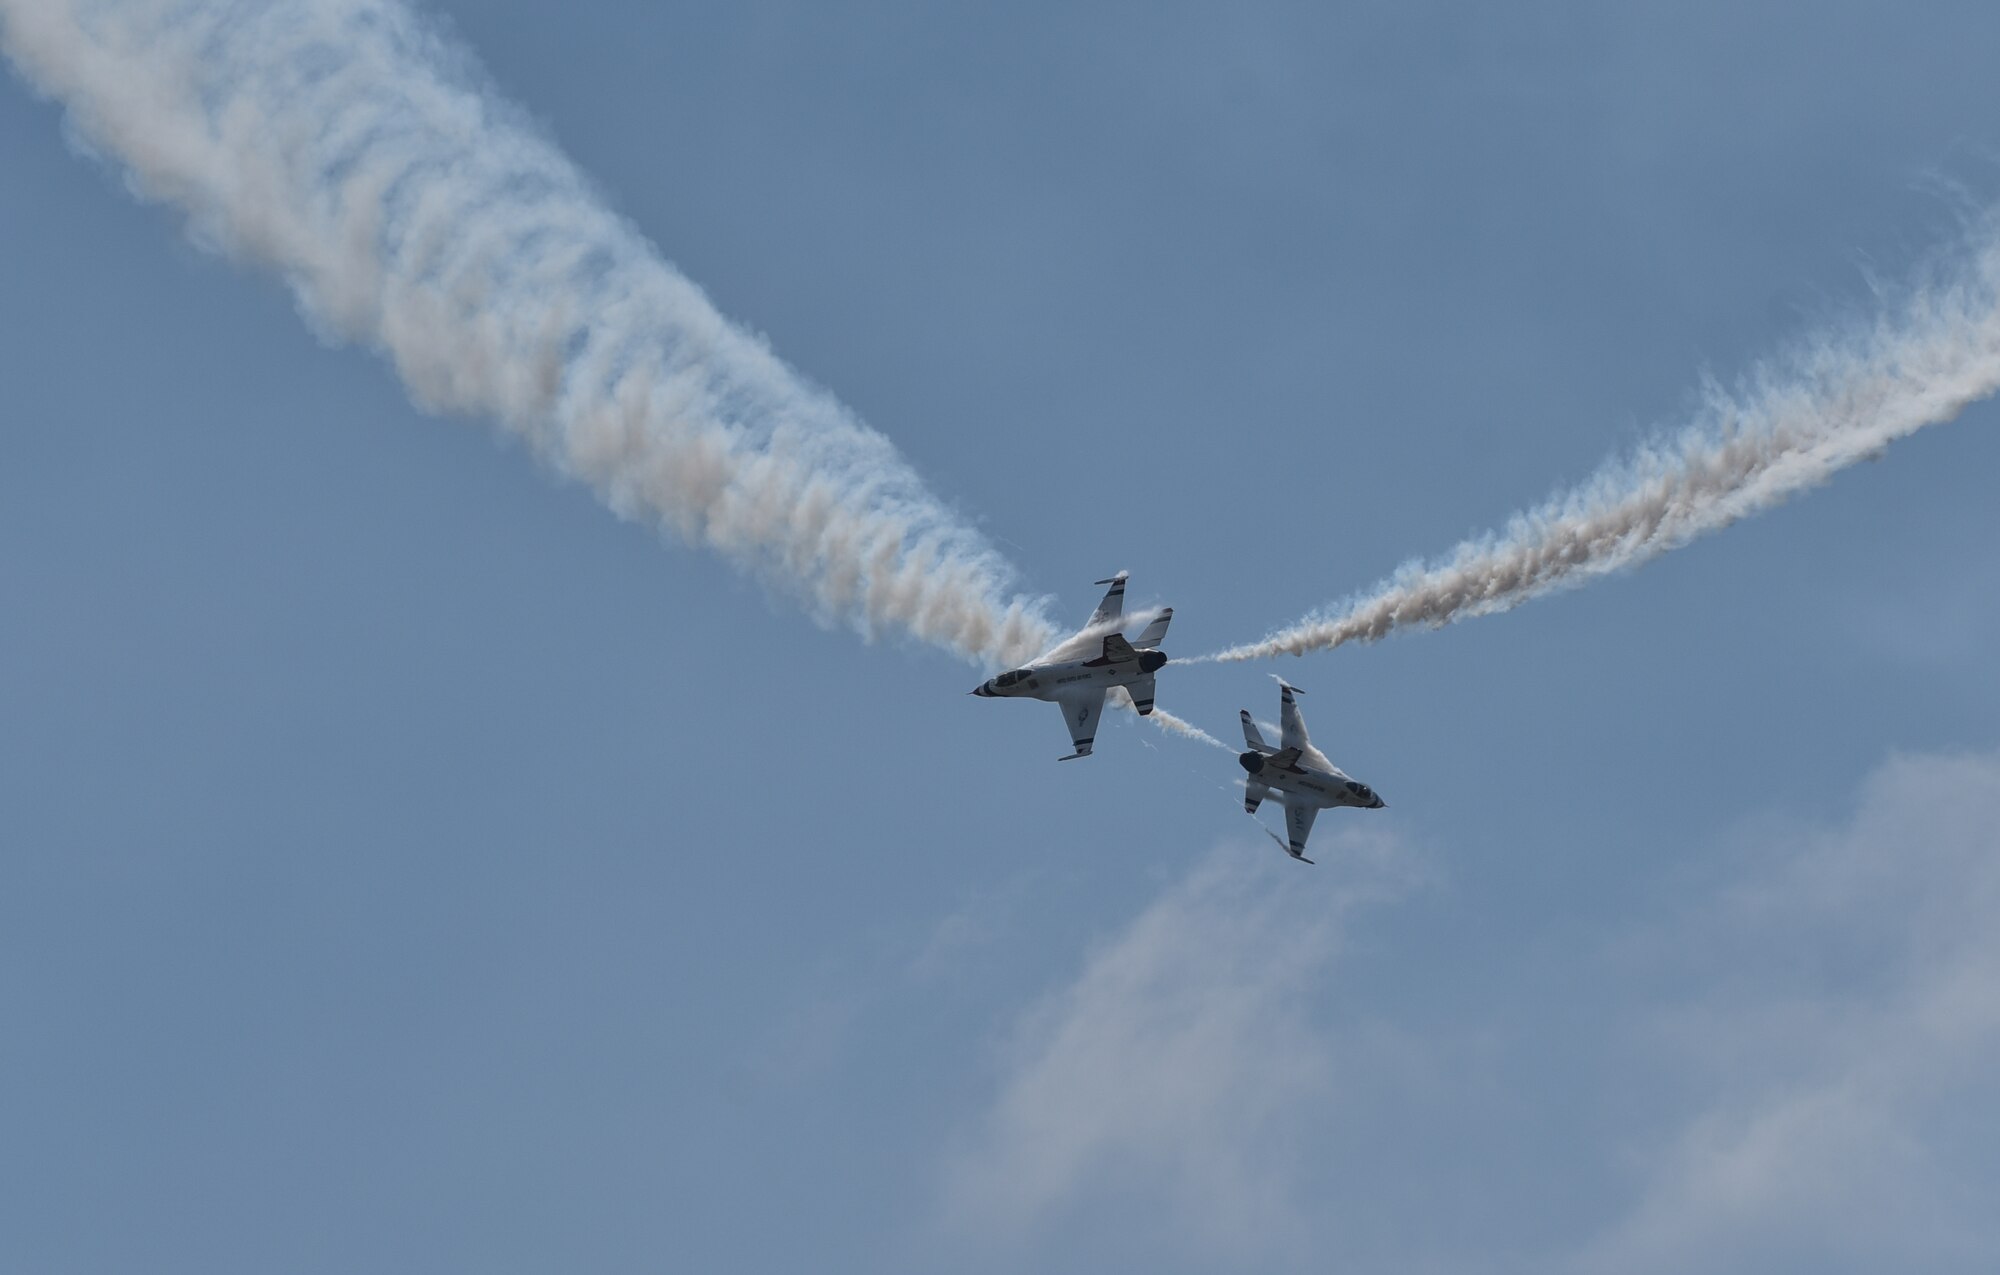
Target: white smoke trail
[(1789, 427), (1167, 722), (344, 145)]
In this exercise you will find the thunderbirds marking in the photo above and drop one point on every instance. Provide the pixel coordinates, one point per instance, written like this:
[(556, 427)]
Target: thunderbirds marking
[(1078, 672)]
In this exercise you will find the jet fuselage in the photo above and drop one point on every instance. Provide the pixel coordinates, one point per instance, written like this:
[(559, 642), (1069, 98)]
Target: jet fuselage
[(1077, 673), (1325, 789), (1053, 681)]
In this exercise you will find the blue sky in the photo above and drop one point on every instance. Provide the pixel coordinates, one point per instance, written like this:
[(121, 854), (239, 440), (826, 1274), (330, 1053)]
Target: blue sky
[(406, 863)]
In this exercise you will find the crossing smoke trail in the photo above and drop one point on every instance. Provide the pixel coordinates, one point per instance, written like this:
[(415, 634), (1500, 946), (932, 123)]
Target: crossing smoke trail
[(1790, 426), (1167, 722), (342, 144)]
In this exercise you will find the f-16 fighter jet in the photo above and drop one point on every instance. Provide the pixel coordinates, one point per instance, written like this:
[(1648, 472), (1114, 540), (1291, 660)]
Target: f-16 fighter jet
[(1081, 669), (1306, 781)]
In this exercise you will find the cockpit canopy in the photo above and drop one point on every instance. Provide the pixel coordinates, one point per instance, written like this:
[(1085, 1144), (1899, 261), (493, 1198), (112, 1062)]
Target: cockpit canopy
[(1008, 679), (1360, 790)]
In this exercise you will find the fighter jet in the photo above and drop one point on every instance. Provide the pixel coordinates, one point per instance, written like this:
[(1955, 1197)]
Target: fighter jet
[(1307, 781), (1082, 668)]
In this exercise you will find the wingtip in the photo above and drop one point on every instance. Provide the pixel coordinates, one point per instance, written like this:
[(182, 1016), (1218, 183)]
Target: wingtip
[(1119, 578), (1286, 685), (1282, 844)]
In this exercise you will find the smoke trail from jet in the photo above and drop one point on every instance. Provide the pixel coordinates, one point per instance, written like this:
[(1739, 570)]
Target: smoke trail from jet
[(344, 145), (1789, 426), (1160, 717), (1185, 729)]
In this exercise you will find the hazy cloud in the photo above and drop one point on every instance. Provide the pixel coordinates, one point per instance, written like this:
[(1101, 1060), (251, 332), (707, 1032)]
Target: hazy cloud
[(1183, 1067), (1786, 1068), (1845, 1037)]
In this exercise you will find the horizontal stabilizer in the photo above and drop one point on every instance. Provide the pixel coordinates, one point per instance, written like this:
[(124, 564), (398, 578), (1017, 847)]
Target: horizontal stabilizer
[(1252, 736), (1156, 632), (1253, 796), (1141, 691)]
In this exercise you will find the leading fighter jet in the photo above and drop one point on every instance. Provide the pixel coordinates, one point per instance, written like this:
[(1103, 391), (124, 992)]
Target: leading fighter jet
[(1307, 781), (1082, 668)]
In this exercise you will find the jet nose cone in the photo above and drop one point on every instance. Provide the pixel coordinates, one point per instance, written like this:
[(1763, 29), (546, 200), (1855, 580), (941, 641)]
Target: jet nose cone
[(1380, 804), (982, 690)]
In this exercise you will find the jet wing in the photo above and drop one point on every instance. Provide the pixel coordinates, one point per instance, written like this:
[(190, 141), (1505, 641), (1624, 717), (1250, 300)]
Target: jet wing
[(1112, 609), (1290, 719), (1080, 712), (1298, 826)]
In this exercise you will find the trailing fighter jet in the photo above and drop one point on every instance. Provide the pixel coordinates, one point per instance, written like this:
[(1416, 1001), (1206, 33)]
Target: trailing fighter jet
[(1307, 781), (1082, 668)]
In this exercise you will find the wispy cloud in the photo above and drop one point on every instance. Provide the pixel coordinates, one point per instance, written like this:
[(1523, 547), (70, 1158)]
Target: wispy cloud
[(1790, 1070), (1185, 1066), (1845, 1039)]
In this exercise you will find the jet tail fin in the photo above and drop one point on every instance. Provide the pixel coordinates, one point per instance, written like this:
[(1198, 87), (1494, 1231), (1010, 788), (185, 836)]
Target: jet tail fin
[(1156, 632), (1117, 648)]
